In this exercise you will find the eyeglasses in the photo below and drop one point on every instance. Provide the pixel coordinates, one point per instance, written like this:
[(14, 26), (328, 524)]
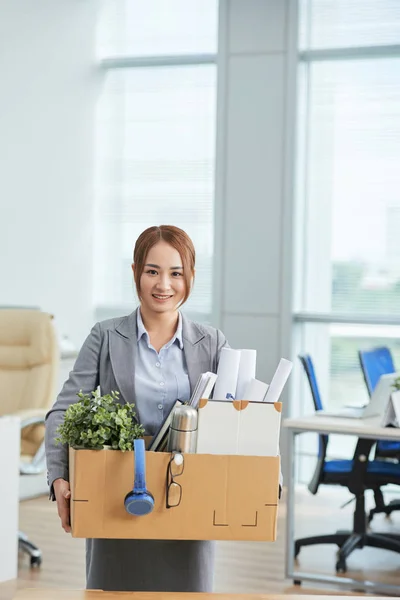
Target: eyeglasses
[(174, 489)]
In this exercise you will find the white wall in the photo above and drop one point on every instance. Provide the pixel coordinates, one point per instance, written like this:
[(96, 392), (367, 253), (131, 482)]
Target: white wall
[(48, 90), (257, 56)]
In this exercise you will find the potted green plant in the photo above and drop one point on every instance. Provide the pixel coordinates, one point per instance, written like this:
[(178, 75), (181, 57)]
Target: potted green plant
[(396, 384), (97, 422)]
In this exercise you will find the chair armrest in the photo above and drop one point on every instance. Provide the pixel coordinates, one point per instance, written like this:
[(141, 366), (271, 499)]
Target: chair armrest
[(28, 421), (31, 416), (38, 463)]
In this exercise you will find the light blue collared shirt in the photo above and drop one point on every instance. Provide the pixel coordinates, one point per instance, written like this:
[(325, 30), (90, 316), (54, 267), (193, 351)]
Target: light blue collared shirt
[(161, 378)]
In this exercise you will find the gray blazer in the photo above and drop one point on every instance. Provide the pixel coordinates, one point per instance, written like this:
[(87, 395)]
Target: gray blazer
[(107, 358)]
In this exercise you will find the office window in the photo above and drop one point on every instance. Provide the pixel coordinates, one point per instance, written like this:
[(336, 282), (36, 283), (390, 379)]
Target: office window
[(155, 142), (348, 23), (348, 182), (158, 27), (352, 190)]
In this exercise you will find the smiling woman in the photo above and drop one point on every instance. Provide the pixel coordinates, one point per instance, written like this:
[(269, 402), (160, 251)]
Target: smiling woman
[(164, 253), (153, 357), (163, 269)]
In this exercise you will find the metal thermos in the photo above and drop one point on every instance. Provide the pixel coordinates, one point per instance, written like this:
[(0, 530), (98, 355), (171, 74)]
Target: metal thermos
[(183, 430)]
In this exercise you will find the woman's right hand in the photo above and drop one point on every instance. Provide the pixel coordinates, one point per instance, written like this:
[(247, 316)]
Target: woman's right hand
[(63, 494)]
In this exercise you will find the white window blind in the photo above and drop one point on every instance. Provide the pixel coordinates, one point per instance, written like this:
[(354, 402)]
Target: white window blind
[(155, 148), (349, 161), (353, 187), (158, 27), (348, 23)]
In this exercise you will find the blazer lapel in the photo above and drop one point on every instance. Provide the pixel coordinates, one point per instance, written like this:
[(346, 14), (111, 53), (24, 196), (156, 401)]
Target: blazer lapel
[(123, 349), (196, 350)]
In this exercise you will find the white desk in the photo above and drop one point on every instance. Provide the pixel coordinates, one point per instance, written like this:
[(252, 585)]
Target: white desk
[(364, 428), (10, 434)]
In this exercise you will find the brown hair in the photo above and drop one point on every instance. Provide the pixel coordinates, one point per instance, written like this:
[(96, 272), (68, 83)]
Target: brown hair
[(174, 236)]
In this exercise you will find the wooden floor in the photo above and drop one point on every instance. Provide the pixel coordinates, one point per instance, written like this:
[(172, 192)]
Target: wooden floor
[(240, 567)]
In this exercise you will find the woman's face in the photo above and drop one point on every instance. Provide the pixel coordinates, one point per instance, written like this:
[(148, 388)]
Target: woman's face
[(162, 286)]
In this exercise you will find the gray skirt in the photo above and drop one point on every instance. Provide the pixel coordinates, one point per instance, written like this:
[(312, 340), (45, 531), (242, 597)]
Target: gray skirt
[(149, 565)]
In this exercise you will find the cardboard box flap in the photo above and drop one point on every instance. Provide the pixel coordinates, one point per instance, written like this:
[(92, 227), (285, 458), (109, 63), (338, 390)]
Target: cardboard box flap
[(239, 427), (241, 404)]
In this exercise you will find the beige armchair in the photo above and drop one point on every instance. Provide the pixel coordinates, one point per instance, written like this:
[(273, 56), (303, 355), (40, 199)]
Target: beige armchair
[(29, 361)]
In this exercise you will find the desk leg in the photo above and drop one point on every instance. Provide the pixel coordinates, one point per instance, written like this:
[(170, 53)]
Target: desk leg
[(290, 504)]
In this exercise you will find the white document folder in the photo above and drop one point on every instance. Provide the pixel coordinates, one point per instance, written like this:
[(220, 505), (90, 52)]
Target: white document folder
[(392, 412), (239, 427)]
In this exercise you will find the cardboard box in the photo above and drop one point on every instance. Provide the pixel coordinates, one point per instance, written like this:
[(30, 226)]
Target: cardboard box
[(224, 497)]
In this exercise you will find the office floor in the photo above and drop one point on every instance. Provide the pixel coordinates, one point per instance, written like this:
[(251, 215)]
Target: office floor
[(241, 566)]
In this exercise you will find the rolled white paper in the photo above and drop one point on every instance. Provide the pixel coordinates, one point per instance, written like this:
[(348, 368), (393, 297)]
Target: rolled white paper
[(255, 391), (247, 372), (278, 381), (227, 372)]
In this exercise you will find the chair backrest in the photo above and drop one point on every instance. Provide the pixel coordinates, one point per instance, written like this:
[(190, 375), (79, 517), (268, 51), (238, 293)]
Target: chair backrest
[(374, 363), (29, 360), (323, 440), (308, 366)]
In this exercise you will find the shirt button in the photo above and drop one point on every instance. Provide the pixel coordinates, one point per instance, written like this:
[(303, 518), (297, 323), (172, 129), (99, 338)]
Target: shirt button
[(161, 383), (160, 406), (157, 364)]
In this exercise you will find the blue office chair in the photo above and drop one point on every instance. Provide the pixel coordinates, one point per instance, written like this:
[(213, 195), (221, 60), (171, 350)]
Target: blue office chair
[(374, 363), (357, 474)]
